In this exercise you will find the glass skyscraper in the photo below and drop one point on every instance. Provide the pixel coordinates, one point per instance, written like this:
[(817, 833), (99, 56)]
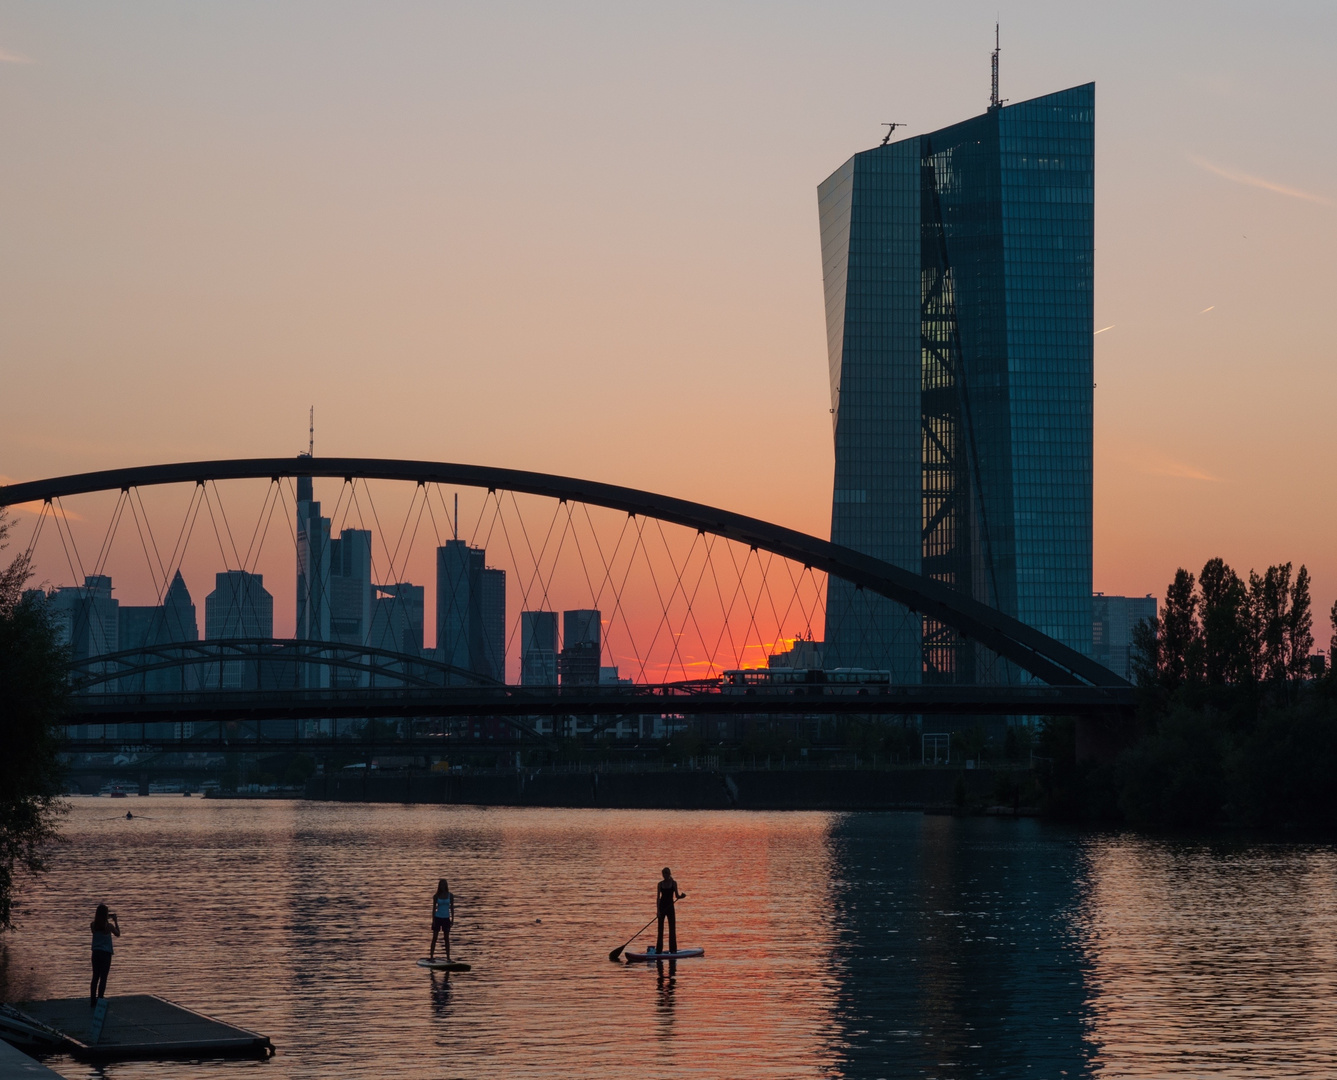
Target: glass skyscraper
[(957, 269)]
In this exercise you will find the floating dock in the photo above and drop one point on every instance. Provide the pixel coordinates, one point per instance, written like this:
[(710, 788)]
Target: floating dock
[(142, 1026)]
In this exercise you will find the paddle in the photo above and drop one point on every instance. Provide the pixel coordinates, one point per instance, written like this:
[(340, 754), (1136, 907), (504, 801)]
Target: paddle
[(616, 954)]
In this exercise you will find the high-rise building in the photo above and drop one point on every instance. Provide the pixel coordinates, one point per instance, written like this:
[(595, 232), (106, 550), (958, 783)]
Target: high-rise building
[(470, 610), (538, 648), (582, 647), (1112, 621), (88, 620), (239, 607), (397, 618), (313, 578), (350, 588), (174, 620), (957, 269)]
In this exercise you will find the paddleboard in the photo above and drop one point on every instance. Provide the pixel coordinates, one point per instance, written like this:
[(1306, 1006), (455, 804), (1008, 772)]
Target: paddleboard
[(681, 954), (443, 965)]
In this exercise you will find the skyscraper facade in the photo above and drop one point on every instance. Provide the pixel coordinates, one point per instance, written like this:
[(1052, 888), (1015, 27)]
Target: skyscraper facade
[(538, 648), (470, 610), (957, 269), (582, 647)]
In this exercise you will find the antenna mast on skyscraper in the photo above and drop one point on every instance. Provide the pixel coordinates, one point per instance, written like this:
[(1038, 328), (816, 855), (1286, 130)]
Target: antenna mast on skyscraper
[(994, 101), (311, 432)]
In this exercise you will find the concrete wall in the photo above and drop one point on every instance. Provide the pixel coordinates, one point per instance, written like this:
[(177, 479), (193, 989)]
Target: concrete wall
[(826, 789)]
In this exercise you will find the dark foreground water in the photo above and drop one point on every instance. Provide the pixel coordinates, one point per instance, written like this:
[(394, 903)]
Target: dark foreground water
[(869, 945)]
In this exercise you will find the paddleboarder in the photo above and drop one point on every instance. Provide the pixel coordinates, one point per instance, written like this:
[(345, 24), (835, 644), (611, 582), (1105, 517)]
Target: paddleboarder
[(443, 914), (666, 895), (104, 928)]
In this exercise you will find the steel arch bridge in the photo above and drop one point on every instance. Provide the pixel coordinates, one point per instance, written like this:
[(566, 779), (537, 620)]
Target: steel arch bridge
[(1066, 681)]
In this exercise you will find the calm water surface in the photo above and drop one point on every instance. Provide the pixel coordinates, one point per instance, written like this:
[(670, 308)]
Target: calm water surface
[(870, 945)]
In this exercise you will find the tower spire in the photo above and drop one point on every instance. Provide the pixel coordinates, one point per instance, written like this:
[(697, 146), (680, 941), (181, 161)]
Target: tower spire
[(994, 102), (311, 431)]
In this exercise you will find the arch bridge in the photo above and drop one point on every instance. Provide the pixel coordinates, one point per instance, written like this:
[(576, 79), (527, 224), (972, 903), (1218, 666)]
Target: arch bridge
[(255, 678)]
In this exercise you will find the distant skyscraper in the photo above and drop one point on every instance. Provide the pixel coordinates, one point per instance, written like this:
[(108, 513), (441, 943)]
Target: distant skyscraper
[(313, 578), (1112, 621), (957, 268), (239, 607), (538, 648), (470, 610), (397, 618), (144, 627), (349, 592), (89, 622), (582, 647)]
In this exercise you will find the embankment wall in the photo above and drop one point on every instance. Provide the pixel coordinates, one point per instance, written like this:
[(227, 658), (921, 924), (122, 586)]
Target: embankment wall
[(824, 789)]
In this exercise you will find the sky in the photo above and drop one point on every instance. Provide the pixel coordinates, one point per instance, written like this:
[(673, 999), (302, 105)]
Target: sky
[(582, 238)]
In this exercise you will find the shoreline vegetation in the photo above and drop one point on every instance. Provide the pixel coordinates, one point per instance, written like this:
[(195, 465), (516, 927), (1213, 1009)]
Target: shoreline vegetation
[(1236, 723)]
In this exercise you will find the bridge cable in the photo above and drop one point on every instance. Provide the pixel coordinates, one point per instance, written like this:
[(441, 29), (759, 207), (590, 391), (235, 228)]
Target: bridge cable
[(608, 564), (691, 601)]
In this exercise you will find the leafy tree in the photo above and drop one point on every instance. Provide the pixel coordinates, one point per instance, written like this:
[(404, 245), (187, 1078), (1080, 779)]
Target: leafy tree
[(1226, 626), (32, 696)]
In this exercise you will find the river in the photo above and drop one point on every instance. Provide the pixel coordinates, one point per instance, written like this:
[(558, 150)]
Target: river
[(837, 945)]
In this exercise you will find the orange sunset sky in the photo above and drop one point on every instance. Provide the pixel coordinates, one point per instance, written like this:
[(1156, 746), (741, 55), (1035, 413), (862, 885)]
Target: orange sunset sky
[(582, 238)]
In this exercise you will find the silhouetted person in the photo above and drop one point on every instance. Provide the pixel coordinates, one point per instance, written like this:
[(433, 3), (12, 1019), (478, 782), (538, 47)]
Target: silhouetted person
[(666, 895), (443, 914), (104, 928)]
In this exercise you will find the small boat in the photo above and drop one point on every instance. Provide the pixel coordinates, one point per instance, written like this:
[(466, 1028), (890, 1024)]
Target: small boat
[(650, 954), (117, 793)]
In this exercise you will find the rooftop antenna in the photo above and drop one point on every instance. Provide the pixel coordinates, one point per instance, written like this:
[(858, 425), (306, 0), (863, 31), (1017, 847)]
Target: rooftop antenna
[(311, 434), (890, 130), (994, 100)]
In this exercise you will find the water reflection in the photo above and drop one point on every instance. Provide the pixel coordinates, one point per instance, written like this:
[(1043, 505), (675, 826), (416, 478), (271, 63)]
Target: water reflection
[(860, 946), (665, 984), (956, 951)]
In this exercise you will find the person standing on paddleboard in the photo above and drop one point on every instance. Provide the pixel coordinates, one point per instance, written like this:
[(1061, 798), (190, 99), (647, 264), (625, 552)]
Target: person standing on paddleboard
[(443, 914), (666, 895)]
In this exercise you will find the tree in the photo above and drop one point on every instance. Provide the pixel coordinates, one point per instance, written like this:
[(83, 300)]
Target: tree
[(1226, 638), (33, 687)]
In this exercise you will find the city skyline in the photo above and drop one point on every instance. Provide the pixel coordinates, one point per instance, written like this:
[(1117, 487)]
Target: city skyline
[(137, 315)]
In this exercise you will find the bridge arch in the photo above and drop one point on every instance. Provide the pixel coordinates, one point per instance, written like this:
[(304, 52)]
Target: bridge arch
[(1042, 656)]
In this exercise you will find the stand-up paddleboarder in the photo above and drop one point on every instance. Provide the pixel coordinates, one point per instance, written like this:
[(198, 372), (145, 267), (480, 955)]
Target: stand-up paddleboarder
[(443, 914), (666, 895), (105, 927)]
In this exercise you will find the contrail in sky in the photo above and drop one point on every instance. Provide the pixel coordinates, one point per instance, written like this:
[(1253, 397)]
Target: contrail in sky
[(14, 58), (1103, 329), (1257, 181)]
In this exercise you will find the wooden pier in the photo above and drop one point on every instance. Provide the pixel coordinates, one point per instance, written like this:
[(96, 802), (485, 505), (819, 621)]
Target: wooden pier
[(142, 1026)]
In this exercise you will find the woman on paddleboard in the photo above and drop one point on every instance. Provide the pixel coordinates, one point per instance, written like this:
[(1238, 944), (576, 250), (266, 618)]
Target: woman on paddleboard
[(443, 914), (666, 895)]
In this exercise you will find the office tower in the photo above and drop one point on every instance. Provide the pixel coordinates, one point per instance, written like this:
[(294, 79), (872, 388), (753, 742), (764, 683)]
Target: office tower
[(350, 596), (582, 648), (143, 627), (88, 620), (1112, 621), (957, 268), (470, 611), (239, 607), (397, 618), (313, 578), (538, 648)]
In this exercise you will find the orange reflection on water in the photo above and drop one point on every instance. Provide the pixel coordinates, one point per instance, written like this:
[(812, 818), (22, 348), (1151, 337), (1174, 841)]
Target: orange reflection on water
[(1211, 960)]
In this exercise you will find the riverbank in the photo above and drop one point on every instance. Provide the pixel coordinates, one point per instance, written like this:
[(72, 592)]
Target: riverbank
[(779, 789)]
